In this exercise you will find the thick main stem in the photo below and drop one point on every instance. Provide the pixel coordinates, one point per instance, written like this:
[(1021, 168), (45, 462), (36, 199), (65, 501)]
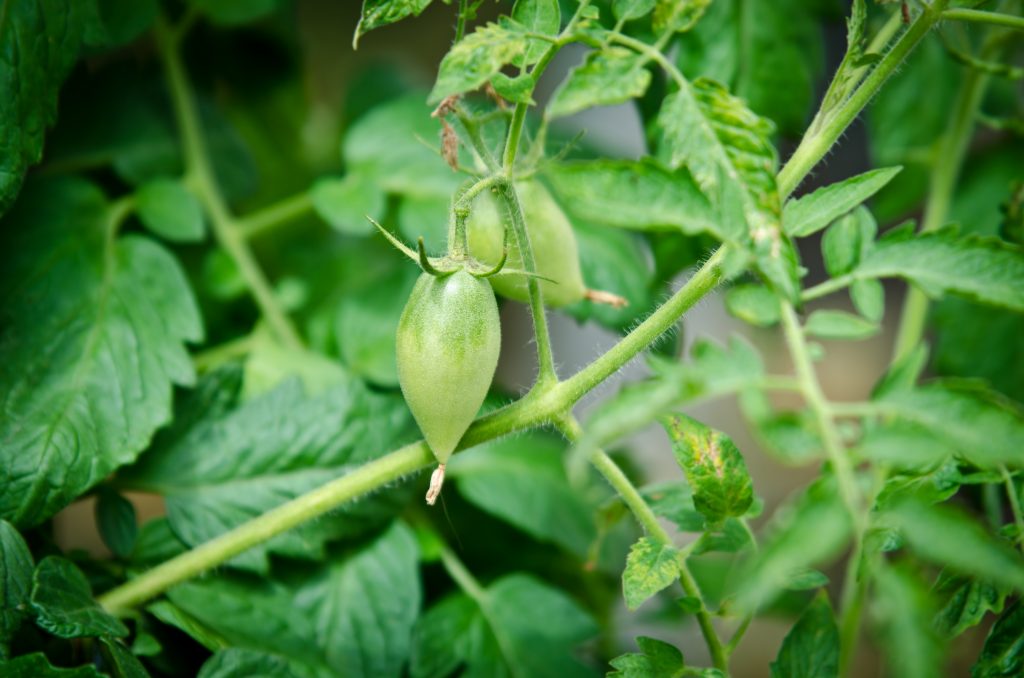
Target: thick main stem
[(199, 173)]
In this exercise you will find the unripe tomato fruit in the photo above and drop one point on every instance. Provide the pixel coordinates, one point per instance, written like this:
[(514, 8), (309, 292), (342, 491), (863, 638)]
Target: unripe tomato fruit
[(551, 238), (448, 341)]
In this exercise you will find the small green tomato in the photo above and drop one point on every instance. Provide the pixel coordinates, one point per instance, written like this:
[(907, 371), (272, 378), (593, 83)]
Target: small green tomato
[(448, 341), (551, 238)]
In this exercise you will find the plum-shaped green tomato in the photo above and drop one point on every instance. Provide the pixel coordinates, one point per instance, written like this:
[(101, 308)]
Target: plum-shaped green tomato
[(449, 338), (551, 238)]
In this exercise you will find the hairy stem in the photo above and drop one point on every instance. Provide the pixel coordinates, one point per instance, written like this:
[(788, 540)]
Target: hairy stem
[(200, 176), (982, 17), (814, 146)]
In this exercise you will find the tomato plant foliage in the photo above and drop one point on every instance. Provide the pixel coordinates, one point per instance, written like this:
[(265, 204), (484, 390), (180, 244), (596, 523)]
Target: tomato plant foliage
[(196, 314)]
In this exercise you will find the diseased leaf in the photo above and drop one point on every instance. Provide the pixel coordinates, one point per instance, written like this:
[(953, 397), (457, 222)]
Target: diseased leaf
[(808, 533), (983, 429), (537, 16), (714, 468), (63, 604), (811, 648), (36, 665), (656, 659), (964, 602), (678, 15), (478, 57), (170, 210), (219, 469), (236, 662), (903, 611), (522, 481), (981, 269), (350, 615), (728, 149), (92, 345), (40, 45), (814, 211), (839, 325), (15, 584), (520, 626), (377, 13), (768, 53), (650, 567), (609, 76), (636, 195), (1003, 653), (949, 537)]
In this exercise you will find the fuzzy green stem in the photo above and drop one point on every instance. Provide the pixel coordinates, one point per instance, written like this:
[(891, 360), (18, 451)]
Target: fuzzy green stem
[(1015, 509), (200, 177), (827, 287), (814, 146), (982, 17)]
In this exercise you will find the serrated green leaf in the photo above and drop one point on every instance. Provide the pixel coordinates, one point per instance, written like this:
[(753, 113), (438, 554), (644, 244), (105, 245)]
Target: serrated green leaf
[(847, 240), (768, 53), (172, 615), (240, 663), (905, 445), (1003, 652), (814, 211), (345, 203), (478, 57), (650, 567), (63, 604), (948, 536), (36, 665), (754, 304), (170, 210), (522, 481), (714, 468), (811, 648), (983, 429), (16, 568), (377, 13), (982, 269), (805, 534), (839, 325), (635, 195), (868, 297), (229, 467), (537, 16), (627, 10), (93, 344), (609, 76), (678, 16), (352, 614), (674, 501), (115, 518), (656, 659), (518, 626), (964, 602), (41, 42), (976, 341), (904, 611)]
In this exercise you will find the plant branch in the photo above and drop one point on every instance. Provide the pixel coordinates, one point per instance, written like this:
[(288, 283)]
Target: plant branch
[(982, 17), (815, 145), (828, 287), (1015, 509), (271, 217), (200, 177)]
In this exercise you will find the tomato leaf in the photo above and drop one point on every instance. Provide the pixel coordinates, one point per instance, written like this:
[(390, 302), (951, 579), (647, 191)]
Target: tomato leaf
[(656, 658), (814, 211), (1003, 652), (609, 76), (16, 569), (93, 343), (904, 612), (828, 324), (236, 661), (811, 648), (63, 604), (650, 567), (170, 210), (377, 13), (478, 57)]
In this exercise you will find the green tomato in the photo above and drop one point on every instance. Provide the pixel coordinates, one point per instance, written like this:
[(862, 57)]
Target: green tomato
[(447, 346), (551, 238)]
